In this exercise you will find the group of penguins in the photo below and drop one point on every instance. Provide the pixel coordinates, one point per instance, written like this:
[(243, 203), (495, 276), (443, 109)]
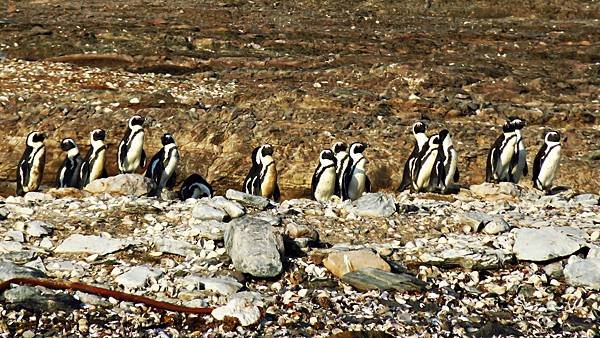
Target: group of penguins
[(341, 171)]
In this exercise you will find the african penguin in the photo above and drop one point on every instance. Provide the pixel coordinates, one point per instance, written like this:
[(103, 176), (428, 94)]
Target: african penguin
[(324, 179), (195, 187), (262, 178), (93, 167), (131, 153), (501, 155), (518, 166), (418, 130), (162, 166), (356, 181), (425, 164), (31, 166), (445, 171), (546, 161), (340, 150), (68, 173)]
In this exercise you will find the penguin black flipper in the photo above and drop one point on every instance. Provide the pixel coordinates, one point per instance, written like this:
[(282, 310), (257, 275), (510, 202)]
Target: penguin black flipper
[(456, 175), (143, 159), (406, 179), (347, 178), (276, 193), (493, 157), (525, 169), (537, 164), (314, 182), (123, 149), (256, 184), (367, 184), (172, 180), (153, 165), (22, 175)]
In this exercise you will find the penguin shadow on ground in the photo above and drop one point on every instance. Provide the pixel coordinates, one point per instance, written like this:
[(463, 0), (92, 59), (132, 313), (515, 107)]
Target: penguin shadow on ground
[(557, 190)]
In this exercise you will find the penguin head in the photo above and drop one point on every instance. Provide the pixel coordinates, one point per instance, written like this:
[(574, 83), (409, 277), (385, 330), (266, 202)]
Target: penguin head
[(338, 147), (327, 155), (508, 128), (552, 137), (357, 148), (136, 121), (266, 150), (167, 139), (35, 139), (443, 134), (98, 135), (517, 122), (67, 144), (419, 127)]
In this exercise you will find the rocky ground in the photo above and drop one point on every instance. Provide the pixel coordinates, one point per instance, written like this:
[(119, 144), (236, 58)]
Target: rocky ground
[(492, 260)]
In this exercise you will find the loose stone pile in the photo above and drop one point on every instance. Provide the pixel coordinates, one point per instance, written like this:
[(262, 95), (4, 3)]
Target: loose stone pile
[(495, 259)]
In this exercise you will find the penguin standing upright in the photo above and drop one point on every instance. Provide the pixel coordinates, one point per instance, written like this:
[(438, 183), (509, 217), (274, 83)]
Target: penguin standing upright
[(501, 155), (195, 186), (131, 153), (425, 164), (356, 181), (519, 163), (340, 150), (262, 178), (418, 130), (546, 161), (68, 173), (30, 170), (445, 172), (324, 178), (162, 166), (93, 167)]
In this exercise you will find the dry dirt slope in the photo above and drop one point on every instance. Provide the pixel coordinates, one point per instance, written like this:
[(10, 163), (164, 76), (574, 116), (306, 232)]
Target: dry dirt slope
[(302, 74)]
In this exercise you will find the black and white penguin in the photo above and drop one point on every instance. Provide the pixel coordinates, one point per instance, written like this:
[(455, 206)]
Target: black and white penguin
[(340, 150), (519, 163), (546, 161), (324, 178), (425, 163), (501, 155), (262, 178), (68, 173), (131, 153), (93, 167), (356, 181), (161, 168), (195, 186), (418, 130), (30, 170), (445, 171)]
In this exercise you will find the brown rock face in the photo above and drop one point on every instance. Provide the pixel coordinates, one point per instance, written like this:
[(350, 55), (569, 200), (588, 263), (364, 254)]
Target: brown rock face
[(342, 262), (301, 75)]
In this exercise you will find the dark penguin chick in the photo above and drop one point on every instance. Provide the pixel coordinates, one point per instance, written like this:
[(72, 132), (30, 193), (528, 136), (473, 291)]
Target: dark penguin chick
[(161, 169), (418, 130), (445, 172), (68, 173), (500, 156), (195, 187), (340, 150), (425, 164), (30, 169), (518, 165), (93, 166), (131, 155), (262, 178), (356, 181), (324, 178), (546, 161)]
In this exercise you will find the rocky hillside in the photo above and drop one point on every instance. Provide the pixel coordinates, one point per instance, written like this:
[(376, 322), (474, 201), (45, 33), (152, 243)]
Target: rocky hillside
[(225, 77), (492, 260)]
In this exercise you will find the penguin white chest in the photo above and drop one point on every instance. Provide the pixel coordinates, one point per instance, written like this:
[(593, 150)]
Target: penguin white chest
[(35, 175), (505, 158), (269, 181), (548, 168), (356, 186), (97, 165), (450, 167), (326, 185), (424, 173), (134, 153)]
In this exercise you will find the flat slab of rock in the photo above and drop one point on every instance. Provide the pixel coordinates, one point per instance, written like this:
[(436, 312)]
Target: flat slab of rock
[(257, 202), (254, 247), (544, 244), (482, 222), (137, 276), (174, 246), (207, 212), (209, 230), (222, 285), (123, 184), (342, 262), (91, 245), (583, 272), (10, 270), (375, 279), (34, 299), (374, 205), (232, 208)]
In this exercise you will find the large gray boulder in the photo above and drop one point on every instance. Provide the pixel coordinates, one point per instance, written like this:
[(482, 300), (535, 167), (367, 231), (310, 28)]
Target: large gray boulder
[(539, 245), (254, 247), (124, 184), (583, 272), (374, 205)]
